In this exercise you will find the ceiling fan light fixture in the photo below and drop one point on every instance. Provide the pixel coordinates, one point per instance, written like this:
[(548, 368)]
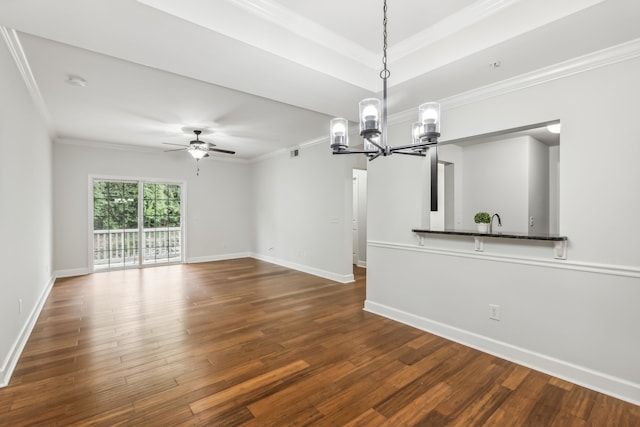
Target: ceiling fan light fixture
[(197, 153)]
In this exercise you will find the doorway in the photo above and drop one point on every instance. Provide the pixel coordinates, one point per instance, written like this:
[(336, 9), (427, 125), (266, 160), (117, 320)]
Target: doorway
[(359, 218), (135, 223)]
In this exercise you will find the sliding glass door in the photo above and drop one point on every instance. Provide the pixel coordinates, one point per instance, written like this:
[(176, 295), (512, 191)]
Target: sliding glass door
[(162, 241), (136, 223)]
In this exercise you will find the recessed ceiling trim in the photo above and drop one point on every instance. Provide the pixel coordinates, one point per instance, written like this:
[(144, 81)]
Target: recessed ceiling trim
[(495, 26), (454, 23), (291, 36), (305, 28)]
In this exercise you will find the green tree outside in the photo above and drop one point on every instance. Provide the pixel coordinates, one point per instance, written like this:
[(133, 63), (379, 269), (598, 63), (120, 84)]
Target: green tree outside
[(115, 205)]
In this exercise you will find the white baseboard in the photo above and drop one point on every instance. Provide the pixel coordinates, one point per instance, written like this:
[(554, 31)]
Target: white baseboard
[(342, 278), (598, 381), (10, 362), (362, 264), (221, 257), (72, 272)]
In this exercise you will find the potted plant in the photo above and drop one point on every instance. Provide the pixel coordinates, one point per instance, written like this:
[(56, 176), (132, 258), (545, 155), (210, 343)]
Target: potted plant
[(482, 220)]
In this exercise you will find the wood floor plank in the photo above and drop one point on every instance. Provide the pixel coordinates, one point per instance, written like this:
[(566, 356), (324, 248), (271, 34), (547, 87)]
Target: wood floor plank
[(245, 342), (242, 388)]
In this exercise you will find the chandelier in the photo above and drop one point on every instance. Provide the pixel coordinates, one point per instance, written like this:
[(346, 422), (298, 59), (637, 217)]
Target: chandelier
[(373, 126), (373, 121)]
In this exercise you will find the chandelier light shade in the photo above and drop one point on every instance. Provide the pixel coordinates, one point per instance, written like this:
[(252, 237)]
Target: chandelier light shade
[(429, 114), (370, 114), (373, 127), (339, 131)]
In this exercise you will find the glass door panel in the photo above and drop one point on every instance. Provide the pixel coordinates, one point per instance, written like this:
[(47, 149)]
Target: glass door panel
[(162, 223), (115, 224)]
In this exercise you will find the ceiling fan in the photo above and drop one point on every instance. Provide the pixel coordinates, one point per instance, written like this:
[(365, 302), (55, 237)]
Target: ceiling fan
[(199, 149)]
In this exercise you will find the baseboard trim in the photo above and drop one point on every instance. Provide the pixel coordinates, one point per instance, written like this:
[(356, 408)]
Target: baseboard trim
[(222, 257), (72, 272), (341, 278), (594, 380), (11, 360), (362, 264)]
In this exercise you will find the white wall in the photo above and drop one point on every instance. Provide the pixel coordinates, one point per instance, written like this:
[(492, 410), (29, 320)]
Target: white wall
[(25, 213), (575, 318), (217, 211), (496, 180), (302, 211)]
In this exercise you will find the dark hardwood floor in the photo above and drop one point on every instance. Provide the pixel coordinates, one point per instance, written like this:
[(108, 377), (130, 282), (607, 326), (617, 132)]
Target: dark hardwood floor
[(244, 342)]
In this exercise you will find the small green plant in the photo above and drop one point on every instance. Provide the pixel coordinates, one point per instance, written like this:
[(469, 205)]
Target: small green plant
[(482, 218)]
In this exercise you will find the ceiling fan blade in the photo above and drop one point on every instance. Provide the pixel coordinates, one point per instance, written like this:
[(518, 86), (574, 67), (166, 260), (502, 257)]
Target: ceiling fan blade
[(178, 145), (219, 150), (210, 144), (176, 149)]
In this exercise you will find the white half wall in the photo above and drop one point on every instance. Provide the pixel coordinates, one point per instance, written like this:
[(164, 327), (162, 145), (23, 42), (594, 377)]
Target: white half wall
[(217, 210), (581, 313), (25, 213)]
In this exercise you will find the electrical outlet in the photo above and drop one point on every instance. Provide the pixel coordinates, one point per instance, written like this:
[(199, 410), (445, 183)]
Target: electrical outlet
[(494, 311), (530, 221)]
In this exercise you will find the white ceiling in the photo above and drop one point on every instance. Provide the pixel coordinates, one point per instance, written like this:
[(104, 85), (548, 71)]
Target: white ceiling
[(260, 75)]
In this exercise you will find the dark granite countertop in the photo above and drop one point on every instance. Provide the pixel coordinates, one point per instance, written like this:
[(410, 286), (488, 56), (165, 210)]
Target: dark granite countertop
[(507, 235)]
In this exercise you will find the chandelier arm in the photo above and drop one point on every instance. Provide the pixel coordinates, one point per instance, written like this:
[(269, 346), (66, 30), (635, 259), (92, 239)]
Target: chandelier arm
[(412, 146), (410, 153), (375, 156), (356, 152)]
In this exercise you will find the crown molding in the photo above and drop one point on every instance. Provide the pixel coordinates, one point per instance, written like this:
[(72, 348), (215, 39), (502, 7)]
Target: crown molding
[(131, 148), (306, 144), (602, 58), (104, 144), (12, 41)]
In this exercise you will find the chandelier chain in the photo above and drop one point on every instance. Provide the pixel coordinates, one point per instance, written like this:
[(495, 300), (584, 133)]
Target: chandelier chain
[(385, 73)]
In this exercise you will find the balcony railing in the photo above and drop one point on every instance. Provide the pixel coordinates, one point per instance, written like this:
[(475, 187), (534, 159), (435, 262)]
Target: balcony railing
[(119, 248)]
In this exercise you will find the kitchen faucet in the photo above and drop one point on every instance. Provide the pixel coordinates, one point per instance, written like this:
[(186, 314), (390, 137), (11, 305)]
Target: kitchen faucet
[(491, 223)]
